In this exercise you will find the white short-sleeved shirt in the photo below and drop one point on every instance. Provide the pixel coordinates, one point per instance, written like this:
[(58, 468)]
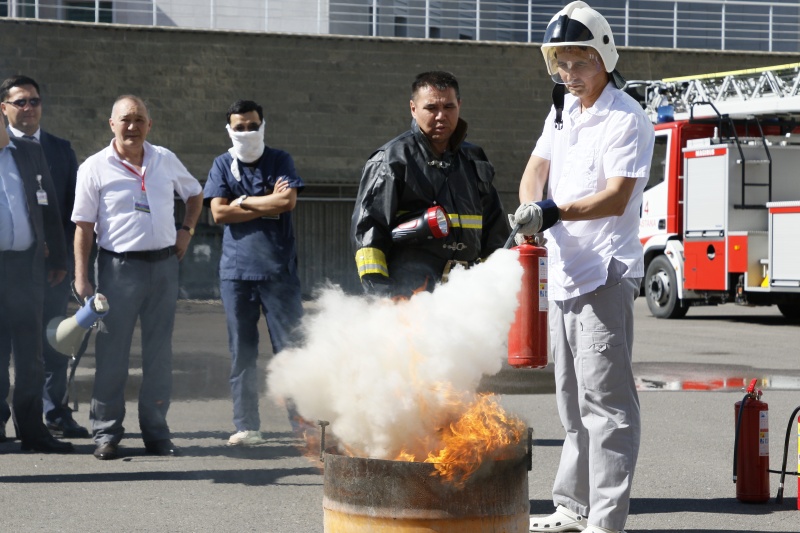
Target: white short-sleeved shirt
[(613, 138), (108, 188)]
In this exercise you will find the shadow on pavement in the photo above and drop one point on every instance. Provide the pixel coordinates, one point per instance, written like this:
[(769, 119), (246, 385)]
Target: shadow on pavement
[(727, 506), (717, 506), (256, 477)]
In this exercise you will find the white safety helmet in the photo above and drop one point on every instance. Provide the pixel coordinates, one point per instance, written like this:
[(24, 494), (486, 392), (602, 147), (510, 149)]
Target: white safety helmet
[(577, 24)]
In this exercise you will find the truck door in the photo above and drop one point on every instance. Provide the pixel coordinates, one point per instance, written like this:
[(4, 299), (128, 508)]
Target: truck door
[(655, 201), (705, 217)]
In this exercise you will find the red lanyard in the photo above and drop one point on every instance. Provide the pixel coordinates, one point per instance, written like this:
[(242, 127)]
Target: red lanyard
[(135, 172)]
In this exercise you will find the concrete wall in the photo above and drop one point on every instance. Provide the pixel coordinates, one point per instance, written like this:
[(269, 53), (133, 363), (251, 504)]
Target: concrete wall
[(329, 101)]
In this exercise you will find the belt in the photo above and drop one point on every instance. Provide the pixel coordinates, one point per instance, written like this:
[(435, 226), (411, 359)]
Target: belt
[(452, 263), (147, 255), (17, 253)]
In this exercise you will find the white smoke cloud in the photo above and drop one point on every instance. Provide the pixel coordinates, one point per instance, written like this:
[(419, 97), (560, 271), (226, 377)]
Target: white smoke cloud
[(374, 369)]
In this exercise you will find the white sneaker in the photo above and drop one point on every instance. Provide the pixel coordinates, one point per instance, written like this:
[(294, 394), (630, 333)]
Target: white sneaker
[(246, 438)]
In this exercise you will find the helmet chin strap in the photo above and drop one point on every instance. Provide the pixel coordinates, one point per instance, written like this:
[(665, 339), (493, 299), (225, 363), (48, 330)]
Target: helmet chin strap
[(559, 91)]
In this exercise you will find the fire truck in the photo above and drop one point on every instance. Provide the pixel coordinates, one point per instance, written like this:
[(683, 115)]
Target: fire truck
[(720, 218)]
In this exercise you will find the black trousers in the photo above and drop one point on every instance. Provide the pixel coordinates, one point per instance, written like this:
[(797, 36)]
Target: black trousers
[(21, 301)]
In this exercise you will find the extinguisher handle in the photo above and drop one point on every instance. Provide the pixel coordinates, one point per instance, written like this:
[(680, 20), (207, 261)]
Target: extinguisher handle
[(514, 232)]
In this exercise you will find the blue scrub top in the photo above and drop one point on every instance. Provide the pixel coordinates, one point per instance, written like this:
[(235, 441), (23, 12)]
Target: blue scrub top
[(263, 248)]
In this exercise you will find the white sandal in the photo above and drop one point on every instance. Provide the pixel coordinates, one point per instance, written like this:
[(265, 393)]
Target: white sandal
[(562, 520)]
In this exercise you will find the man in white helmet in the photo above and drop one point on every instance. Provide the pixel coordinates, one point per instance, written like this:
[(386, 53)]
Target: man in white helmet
[(594, 158)]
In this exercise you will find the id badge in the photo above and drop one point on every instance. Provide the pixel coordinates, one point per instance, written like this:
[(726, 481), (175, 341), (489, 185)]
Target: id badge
[(141, 204), (41, 194)]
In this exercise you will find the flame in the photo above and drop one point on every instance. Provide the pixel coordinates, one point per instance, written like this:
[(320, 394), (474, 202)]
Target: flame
[(481, 434), (473, 435)]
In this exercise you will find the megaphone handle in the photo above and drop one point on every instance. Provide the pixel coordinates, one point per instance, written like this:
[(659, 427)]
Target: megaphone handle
[(75, 293)]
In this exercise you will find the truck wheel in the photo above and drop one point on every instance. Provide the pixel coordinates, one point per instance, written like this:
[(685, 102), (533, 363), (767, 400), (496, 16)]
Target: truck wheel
[(790, 311), (661, 289)]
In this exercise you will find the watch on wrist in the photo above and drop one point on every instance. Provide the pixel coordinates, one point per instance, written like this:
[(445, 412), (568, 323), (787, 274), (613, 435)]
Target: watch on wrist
[(190, 230), (238, 201)]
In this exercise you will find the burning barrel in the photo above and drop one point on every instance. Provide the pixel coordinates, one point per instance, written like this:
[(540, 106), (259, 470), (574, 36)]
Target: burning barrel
[(379, 496)]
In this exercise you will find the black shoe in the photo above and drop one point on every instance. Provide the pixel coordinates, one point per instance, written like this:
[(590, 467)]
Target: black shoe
[(67, 428), (106, 452), (47, 444), (161, 447)]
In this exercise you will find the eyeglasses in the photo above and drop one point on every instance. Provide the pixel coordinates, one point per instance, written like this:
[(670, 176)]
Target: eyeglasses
[(22, 102)]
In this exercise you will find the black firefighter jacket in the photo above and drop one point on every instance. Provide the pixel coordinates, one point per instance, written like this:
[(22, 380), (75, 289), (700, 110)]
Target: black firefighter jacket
[(401, 180)]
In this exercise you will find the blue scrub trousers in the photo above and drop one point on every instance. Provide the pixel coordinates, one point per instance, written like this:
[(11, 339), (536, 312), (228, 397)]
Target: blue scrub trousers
[(244, 300)]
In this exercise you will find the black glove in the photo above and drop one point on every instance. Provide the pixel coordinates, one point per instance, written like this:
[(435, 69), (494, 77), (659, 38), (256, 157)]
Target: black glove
[(377, 285)]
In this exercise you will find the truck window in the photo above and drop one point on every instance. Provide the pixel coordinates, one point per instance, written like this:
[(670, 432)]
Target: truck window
[(658, 167)]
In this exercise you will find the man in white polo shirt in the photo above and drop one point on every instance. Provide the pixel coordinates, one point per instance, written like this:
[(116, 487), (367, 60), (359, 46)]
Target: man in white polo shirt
[(594, 156), (125, 194)]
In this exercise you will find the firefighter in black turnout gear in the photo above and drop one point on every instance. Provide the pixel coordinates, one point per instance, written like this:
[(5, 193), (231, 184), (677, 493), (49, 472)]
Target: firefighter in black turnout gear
[(429, 165)]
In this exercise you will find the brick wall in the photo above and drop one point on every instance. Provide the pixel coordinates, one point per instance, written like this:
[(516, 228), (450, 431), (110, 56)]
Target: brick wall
[(329, 101)]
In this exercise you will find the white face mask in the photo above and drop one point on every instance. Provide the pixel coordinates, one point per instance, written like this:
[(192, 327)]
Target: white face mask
[(247, 145)]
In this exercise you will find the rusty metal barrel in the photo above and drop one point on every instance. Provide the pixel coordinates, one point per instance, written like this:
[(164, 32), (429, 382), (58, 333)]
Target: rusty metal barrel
[(364, 495)]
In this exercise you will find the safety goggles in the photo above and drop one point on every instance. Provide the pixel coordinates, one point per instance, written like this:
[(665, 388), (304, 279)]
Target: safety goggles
[(572, 62), (22, 102)]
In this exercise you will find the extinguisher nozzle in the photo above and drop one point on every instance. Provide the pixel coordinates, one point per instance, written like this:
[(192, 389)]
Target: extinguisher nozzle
[(779, 496)]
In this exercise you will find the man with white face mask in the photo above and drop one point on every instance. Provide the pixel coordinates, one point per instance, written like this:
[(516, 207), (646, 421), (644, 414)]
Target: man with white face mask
[(252, 189)]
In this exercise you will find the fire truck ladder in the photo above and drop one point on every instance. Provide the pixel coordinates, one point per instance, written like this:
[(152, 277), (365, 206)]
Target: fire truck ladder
[(740, 94), (743, 94)]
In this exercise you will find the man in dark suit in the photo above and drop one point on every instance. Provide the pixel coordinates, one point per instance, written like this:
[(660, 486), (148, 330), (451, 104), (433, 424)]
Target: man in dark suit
[(21, 103), (31, 240)]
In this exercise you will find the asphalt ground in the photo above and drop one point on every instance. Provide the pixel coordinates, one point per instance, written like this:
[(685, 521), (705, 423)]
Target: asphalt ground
[(682, 483)]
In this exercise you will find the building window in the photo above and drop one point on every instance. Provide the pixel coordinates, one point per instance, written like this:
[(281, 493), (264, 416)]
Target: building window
[(85, 11), (435, 33), (400, 27), (371, 22)]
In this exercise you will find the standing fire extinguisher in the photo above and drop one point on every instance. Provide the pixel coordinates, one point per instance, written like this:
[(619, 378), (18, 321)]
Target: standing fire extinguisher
[(751, 447), (527, 338)]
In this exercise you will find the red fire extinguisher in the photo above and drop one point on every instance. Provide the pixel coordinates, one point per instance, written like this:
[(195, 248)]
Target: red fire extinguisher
[(527, 338), (751, 447)]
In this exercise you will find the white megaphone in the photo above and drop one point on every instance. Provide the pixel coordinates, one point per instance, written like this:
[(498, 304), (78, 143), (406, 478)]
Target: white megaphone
[(65, 335)]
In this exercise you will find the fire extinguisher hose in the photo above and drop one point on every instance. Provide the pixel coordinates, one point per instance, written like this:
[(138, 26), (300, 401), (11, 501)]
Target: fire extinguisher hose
[(782, 471), (736, 437)]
